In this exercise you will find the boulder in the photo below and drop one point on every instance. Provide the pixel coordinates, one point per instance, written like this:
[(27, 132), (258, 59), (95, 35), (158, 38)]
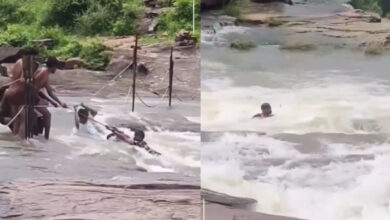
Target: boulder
[(374, 18), (73, 63), (185, 38), (224, 199), (241, 44)]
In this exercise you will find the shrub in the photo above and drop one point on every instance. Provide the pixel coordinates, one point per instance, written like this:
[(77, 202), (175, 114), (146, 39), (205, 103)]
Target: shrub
[(131, 12), (233, 9), (18, 35), (95, 55), (9, 12), (370, 5), (96, 20), (63, 13), (180, 18)]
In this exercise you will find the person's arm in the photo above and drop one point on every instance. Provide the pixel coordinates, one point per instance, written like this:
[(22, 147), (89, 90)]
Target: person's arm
[(44, 96), (259, 115), (50, 91)]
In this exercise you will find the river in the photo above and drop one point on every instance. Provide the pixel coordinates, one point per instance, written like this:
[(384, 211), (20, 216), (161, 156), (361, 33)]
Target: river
[(325, 154)]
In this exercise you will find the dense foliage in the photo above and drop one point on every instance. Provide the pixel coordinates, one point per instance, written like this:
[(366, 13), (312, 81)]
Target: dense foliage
[(73, 23), (380, 6)]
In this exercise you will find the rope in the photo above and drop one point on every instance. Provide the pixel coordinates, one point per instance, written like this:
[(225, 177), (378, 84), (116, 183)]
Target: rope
[(13, 119), (153, 106), (113, 79), (10, 83)]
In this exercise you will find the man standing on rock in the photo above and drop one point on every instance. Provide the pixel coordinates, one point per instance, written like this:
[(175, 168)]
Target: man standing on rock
[(14, 96), (42, 82)]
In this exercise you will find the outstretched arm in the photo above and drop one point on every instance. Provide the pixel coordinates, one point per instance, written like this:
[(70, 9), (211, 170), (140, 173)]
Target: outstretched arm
[(257, 116), (50, 91)]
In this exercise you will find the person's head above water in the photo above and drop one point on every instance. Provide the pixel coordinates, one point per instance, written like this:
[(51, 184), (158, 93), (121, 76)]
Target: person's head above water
[(266, 110), (83, 115), (139, 136)]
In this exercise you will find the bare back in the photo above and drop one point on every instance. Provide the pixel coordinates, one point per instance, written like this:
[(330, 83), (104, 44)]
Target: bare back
[(42, 79), (17, 70)]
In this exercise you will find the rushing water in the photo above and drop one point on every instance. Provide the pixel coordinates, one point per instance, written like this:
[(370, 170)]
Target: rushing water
[(326, 152), (72, 155)]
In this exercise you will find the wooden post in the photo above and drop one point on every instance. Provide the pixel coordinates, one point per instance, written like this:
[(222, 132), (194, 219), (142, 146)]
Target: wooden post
[(134, 70), (29, 94), (170, 77)]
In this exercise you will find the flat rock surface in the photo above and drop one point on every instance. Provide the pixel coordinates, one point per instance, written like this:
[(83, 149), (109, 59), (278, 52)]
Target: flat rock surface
[(220, 212), (85, 200), (224, 199)]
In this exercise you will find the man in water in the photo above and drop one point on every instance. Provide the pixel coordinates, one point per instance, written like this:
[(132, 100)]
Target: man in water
[(84, 113), (266, 111), (138, 139)]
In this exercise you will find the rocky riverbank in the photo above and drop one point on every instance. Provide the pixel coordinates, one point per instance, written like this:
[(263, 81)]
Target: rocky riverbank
[(158, 199), (219, 206), (310, 26)]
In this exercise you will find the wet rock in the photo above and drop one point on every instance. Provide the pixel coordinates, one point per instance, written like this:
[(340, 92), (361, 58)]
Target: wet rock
[(387, 40), (10, 54), (118, 64), (220, 212), (224, 199), (184, 38), (87, 200), (153, 25), (375, 48), (223, 21), (297, 46), (374, 18), (241, 44)]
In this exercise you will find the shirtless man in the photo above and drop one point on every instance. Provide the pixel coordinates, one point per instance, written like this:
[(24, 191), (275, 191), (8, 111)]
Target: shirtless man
[(42, 82), (266, 111), (15, 94), (138, 139), (17, 70)]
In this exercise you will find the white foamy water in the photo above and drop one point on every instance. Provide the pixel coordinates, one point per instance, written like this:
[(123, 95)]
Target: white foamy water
[(86, 154), (326, 152), (340, 182)]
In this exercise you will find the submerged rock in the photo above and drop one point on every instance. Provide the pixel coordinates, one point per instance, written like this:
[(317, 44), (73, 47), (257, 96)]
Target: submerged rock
[(375, 48), (297, 46), (241, 44)]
